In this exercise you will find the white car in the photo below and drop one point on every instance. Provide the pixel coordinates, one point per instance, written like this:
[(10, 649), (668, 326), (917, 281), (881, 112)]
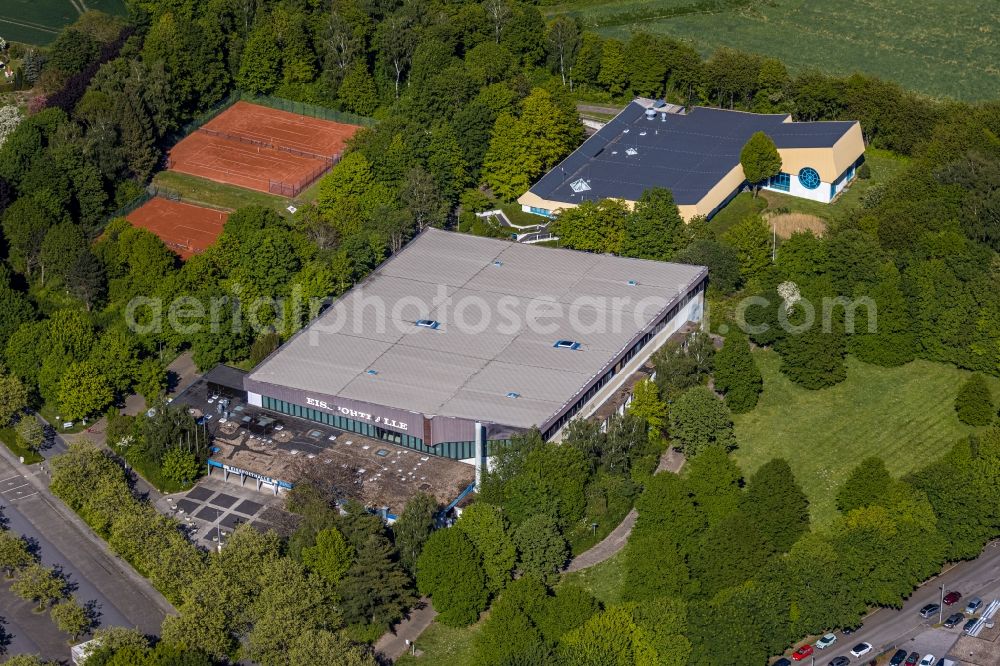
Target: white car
[(928, 660), (826, 641), (861, 649)]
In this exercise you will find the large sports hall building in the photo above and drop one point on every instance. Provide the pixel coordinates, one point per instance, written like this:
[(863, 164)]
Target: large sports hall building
[(696, 155), (457, 335)]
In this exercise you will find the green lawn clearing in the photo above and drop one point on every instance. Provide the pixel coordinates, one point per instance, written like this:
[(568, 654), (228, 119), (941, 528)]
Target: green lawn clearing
[(9, 439), (904, 415), (939, 47), (444, 646), (604, 581), (205, 192), (742, 206)]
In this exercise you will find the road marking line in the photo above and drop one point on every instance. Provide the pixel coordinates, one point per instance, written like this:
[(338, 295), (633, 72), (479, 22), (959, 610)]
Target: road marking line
[(23, 496), (10, 478), (7, 490)]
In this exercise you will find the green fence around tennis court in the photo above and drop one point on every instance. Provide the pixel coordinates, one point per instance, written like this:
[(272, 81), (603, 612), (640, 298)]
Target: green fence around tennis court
[(311, 110)]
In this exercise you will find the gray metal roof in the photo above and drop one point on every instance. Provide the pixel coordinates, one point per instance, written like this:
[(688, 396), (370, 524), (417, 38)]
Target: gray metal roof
[(685, 153), (466, 367)]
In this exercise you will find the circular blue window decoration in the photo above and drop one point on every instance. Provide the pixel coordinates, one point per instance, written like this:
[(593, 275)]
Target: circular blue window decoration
[(809, 178)]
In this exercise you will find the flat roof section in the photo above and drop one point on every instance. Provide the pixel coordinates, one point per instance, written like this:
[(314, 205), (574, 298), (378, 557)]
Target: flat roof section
[(685, 153), (498, 307)]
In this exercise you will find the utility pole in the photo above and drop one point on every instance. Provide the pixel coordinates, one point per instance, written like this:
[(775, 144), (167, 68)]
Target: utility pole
[(941, 607)]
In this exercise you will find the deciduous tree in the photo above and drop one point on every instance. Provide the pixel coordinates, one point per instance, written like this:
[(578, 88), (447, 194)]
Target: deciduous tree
[(760, 159), (974, 402), (448, 571), (541, 547), (736, 374), (485, 527), (698, 420)]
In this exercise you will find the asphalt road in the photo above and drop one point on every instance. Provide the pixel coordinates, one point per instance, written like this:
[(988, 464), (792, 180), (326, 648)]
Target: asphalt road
[(887, 627), (123, 597)]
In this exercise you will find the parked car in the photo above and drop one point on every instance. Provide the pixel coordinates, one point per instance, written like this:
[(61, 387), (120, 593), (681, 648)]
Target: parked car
[(782, 662), (803, 652), (898, 657), (975, 603), (840, 661), (912, 659), (952, 598), (850, 630), (826, 641), (929, 610), (928, 660), (969, 624), (861, 649), (953, 620)]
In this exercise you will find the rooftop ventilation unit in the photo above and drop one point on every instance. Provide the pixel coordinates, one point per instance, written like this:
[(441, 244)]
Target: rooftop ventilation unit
[(625, 131), (566, 344), (497, 263), (580, 185), (642, 133), (512, 394), (371, 372), (663, 117), (632, 283), (650, 114), (631, 152), (428, 323)]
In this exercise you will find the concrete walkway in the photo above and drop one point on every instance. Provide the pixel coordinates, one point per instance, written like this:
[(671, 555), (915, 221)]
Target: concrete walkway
[(671, 461), (393, 645)]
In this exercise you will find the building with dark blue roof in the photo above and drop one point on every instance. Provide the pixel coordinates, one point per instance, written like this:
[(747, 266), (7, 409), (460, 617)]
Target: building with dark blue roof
[(696, 155)]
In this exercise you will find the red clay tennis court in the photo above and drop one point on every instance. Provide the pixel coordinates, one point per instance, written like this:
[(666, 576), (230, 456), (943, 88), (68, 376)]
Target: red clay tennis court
[(262, 149), (184, 228)]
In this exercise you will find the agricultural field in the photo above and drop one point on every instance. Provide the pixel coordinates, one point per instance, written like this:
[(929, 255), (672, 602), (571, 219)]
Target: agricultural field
[(39, 21), (905, 415), (939, 47)]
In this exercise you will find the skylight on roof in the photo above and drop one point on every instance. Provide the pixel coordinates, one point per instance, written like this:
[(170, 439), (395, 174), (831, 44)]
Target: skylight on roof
[(580, 185), (566, 344), (512, 394), (427, 323), (371, 372), (631, 152)]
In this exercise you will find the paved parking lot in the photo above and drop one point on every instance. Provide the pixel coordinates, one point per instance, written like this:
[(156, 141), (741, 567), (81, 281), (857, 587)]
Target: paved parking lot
[(214, 508), (16, 487)]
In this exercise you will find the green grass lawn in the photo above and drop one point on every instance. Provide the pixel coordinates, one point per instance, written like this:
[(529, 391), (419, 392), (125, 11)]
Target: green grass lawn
[(9, 439), (217, 195), (742, 205), (604, 581), (444, 646), (940, 47), (39, 21), (904, 415)]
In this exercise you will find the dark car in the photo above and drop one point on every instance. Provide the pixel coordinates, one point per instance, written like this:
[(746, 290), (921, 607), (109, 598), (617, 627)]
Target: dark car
[(782, 662), (840, 661), (969, 624), (898, 658), (912, 659), (952, 598), (929, 610), (953, 620)]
